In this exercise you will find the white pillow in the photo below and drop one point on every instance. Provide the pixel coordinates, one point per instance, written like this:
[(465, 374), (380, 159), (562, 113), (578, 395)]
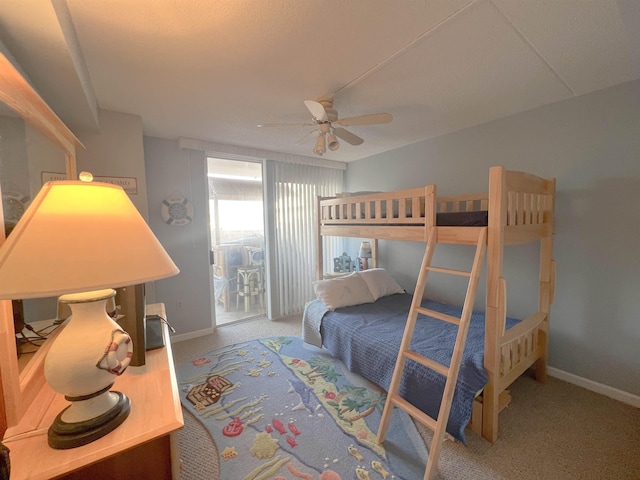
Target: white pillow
[(380, 283), (342, 291)]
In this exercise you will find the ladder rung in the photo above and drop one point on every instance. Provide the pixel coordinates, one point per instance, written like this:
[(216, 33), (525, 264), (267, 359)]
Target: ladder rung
[(438, 315), (427, 362), (462, 273), (422, 417)]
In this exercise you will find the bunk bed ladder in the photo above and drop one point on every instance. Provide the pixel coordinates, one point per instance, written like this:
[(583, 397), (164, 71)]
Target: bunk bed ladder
[(451, 372)]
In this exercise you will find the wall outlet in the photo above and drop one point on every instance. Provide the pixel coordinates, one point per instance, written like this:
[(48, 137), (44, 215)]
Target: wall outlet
[(179, 304)]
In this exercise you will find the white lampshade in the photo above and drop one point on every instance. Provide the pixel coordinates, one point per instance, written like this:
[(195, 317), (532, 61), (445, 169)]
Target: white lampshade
[(365, 250), (365, 254), (80, 240), (76, 237)]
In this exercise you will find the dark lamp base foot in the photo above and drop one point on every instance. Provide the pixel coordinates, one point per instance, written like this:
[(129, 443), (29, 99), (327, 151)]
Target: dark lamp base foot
[(63, 435)]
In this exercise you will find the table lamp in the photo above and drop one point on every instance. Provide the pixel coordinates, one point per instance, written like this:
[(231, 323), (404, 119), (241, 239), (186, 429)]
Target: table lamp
[(79, 240), (365, 254)]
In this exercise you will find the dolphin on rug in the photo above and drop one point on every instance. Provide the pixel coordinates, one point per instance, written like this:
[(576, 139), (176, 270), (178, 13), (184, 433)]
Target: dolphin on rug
[(304, 394)]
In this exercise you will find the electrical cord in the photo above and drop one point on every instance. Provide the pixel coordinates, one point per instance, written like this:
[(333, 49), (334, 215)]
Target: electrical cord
[(38, 338), (163, 320), (33, 330)]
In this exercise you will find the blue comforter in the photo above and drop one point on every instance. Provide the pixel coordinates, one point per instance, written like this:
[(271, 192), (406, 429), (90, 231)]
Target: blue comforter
[(367, 339)]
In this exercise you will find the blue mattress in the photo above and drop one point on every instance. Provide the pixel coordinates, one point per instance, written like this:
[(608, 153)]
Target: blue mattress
[(367, 339)]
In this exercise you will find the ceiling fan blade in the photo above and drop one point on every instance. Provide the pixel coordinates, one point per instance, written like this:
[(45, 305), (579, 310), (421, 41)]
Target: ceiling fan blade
[(317, 110), (347, 136), (285, 125), (372, 119)]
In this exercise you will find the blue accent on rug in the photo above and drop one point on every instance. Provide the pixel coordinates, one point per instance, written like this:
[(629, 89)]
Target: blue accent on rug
[(279, 409)]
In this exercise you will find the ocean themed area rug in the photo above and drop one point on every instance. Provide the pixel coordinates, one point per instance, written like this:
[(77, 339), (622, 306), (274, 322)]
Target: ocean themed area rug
[(279, 409)]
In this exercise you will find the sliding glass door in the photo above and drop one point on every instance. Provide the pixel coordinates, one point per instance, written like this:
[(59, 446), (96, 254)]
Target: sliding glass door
[(237, 237)]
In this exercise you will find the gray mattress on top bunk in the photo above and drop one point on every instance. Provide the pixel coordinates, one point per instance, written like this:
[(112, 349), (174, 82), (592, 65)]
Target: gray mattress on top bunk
[(463, 219), (367, 339), (478, 218)]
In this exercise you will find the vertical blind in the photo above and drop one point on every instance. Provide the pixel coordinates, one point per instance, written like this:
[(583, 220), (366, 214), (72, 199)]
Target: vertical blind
[(296, 188)]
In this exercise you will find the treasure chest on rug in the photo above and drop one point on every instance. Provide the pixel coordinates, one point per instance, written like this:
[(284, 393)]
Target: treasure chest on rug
[(209, 392)]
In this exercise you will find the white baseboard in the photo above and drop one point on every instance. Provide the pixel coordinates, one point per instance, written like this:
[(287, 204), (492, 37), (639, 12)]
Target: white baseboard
[(188, 336), (606, 390)]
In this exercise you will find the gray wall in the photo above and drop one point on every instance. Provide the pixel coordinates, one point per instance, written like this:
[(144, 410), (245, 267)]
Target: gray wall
[(161, 170), (591, 145), (116, 151), (187, 296)]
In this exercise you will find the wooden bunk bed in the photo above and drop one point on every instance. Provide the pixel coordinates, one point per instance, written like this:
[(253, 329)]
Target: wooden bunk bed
[(518, 209)]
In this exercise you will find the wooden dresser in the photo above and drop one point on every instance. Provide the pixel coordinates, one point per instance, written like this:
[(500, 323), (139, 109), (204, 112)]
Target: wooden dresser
[(144, 446)]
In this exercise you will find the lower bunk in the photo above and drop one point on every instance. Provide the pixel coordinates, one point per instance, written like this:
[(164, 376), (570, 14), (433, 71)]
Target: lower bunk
[(367, 337)]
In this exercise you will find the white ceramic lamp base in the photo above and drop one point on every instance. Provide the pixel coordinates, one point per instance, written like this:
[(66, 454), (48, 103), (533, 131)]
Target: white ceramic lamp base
[(82, 364)]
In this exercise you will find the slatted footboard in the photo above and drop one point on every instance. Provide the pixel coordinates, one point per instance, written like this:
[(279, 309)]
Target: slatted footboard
[(521, 210), (520, 347)]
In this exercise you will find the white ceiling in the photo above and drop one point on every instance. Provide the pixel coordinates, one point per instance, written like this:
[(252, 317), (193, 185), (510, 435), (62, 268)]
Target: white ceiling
[(214, 69)]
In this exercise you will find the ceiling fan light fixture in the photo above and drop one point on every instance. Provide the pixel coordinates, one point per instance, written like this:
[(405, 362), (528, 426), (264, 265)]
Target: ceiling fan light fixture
[(331, 127), (321, 146), (332, 142)]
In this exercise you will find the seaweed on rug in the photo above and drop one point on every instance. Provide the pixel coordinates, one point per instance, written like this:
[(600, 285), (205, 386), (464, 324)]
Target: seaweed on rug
[(277, 409)]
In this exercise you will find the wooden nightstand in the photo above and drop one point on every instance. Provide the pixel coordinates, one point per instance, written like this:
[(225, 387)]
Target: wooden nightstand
[(144, 446)]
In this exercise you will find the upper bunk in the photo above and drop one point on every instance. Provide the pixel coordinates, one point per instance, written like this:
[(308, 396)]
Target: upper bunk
[(519, 205)]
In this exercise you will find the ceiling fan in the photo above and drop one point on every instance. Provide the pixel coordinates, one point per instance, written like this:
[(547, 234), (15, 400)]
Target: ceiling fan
[(326, 118)]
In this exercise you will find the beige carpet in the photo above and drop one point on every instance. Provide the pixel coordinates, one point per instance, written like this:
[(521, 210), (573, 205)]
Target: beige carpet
[(551, 431)]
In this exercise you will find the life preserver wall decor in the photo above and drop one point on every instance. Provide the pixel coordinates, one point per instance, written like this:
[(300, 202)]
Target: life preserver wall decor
[(176, 210), (14, 204)]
